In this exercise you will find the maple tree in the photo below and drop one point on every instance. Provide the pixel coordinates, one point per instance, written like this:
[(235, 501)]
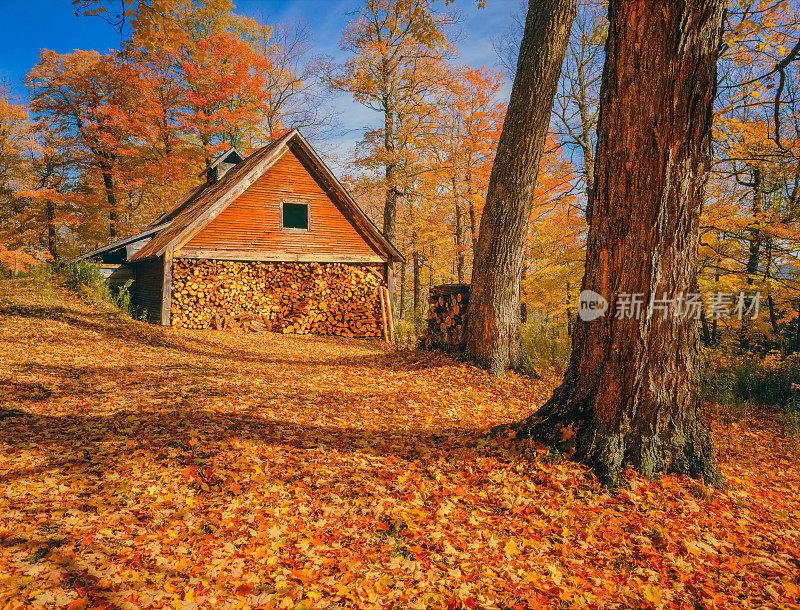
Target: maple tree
[(39, 192), (14, 127), (749, 227), (394, 43), (463, 142), (47, 194), (555, 247), (89, 98), (493, 322), (631, 392), (209, 69), (447, 135), (191, 77), (224, 105)]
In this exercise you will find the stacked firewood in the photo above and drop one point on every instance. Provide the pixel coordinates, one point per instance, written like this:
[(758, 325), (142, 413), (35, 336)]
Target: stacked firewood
[(301, 298), (446, 317)]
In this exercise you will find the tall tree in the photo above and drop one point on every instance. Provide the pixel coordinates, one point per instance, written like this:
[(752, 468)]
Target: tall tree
[(749, 227), (631, 392), (393, 43), (575, 110), (493, 323), (555, 249), (462, 142), (89, 98), (14, 130), (48, 195)]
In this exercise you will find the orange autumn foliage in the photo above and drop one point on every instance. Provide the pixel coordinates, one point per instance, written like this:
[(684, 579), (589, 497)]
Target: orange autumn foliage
[(267, 470)]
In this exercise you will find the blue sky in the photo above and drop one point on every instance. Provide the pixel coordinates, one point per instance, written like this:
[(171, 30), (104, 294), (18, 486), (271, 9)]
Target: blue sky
[(33, 25)]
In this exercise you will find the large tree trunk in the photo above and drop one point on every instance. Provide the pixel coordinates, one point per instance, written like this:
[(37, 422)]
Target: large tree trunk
[(493, 321), (631, 392)]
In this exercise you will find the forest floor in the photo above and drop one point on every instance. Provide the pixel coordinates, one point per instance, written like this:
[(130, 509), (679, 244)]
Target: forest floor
[(146, 467)]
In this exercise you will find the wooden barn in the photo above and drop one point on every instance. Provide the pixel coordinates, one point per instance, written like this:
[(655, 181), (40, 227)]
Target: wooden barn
[(272, 240)]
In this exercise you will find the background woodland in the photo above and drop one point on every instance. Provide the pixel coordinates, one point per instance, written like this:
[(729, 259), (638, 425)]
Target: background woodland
[(108, 141)]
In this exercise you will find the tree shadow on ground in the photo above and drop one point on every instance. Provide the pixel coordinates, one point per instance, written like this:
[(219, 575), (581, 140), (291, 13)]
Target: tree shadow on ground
[(83, 449), (156, 430), (115, 326)]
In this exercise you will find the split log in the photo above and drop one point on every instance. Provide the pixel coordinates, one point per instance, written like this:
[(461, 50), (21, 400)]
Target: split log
[(446, 317)]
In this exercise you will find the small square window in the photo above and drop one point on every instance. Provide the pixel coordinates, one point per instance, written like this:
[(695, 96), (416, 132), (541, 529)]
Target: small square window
[(294, 216)]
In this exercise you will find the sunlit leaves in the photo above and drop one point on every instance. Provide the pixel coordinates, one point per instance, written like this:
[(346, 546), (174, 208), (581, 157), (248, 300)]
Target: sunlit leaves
[(223, 469)]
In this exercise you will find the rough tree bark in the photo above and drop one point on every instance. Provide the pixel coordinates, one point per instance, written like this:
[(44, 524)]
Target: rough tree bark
[(631, 391), (493, 321)]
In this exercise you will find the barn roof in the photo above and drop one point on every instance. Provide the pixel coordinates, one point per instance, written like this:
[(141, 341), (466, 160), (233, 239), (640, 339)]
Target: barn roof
[(205, 202), (147, 233), (225, 157)]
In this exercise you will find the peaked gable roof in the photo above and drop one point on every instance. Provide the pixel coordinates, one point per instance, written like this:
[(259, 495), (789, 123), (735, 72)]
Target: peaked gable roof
[(201, 205)]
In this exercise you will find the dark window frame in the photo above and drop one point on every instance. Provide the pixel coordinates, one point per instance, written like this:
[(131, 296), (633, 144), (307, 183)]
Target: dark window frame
[(297, 229)]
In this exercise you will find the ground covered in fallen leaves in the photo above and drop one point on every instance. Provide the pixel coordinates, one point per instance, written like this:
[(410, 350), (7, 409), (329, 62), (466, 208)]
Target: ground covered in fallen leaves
[(143, 467)]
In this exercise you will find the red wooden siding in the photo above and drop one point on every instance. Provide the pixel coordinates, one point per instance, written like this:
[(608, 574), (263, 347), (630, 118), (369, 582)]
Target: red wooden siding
[(253, 221)]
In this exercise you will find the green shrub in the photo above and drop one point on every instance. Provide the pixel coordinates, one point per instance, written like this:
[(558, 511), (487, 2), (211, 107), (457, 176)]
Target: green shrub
[(749, 380), (763, 380), (82, 274), (545, 347), (38, 272), (408, 331), (405, 334), (791, 416)]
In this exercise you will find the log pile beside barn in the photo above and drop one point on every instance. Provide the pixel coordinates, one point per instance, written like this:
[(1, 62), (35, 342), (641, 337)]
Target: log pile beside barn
[(270, 241), (297, 298), (446, 317)]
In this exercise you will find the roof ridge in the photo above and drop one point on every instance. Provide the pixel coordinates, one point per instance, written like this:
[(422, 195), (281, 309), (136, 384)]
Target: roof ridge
[(206, 201)]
